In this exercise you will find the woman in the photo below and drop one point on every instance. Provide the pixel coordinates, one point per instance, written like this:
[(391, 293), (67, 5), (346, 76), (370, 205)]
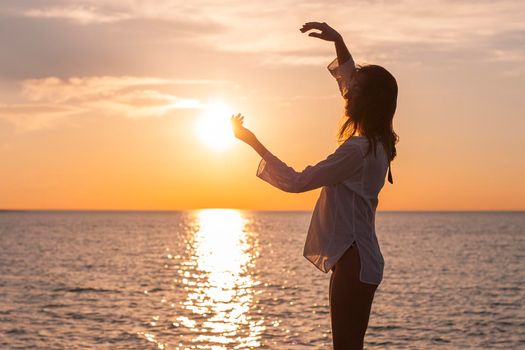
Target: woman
[(341, 236)]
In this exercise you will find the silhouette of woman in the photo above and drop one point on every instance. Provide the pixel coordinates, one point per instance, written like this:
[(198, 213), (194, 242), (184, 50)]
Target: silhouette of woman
[(341, 236)]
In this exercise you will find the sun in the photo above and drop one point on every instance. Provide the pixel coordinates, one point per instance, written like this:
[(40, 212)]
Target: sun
[(213, 126)]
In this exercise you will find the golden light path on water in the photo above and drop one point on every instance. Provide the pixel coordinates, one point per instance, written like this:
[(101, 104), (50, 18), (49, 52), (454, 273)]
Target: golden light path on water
[(220, 295)]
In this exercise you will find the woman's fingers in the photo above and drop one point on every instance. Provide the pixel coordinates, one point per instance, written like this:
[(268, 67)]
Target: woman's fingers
[(237, 119), (313, 25)]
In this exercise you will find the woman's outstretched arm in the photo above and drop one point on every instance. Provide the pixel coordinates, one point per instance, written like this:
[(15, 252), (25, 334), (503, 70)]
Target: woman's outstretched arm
[(343, 55), (337, 167), (329, 34)]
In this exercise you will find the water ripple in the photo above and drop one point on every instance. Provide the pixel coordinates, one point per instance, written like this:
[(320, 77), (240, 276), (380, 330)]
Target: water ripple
[(221, 279)]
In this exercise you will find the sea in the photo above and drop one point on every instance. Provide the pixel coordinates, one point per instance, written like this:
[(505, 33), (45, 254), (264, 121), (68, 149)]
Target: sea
[(234, 279)]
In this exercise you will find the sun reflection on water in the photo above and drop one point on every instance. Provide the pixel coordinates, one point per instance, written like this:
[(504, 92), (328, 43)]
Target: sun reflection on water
[(221, 293)]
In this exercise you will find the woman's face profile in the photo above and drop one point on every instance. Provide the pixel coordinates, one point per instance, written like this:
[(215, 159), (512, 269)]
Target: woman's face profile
[(352, 96)]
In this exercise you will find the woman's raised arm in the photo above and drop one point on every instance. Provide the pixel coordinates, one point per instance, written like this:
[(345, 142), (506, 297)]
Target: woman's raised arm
[(329, 34)]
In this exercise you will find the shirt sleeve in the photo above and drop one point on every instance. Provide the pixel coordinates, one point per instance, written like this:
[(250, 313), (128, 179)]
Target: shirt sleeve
[(342, 73), (337, 167)]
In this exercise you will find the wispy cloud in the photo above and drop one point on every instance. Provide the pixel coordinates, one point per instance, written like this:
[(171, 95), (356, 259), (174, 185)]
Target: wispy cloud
[(80, 14), (81, 89), (50, 100)]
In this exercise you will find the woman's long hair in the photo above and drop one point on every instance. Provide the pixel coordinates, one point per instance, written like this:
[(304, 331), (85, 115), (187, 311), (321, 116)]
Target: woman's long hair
[(372, 109)]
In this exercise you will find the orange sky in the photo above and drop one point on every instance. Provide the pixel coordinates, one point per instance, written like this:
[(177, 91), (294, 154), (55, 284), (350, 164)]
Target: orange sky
[(99, 101)]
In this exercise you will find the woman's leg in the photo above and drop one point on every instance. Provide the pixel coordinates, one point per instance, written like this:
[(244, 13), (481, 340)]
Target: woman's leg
[(350, 302)]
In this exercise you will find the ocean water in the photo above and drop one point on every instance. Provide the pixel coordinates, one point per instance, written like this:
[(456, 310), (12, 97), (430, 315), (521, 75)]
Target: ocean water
[(227, 279)]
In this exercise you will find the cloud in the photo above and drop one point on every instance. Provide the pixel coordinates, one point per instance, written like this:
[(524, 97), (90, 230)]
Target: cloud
[(82, 89), (165, 31), (80, 14), (138, 46), (48, 101)]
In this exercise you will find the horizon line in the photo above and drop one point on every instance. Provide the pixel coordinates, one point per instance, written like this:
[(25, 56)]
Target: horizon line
[(5, 210)]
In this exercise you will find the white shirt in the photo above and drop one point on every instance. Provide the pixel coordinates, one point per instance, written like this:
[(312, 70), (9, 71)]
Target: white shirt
[(351, 179)]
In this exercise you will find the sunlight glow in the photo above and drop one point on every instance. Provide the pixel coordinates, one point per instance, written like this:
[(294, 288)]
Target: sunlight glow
[(221, 299), (213, 127)]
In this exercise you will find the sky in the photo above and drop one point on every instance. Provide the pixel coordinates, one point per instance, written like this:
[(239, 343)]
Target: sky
[(101, 101)]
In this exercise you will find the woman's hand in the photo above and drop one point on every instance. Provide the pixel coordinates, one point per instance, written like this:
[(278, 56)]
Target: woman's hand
[(246, 135), (240, 131), (327, 33)]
